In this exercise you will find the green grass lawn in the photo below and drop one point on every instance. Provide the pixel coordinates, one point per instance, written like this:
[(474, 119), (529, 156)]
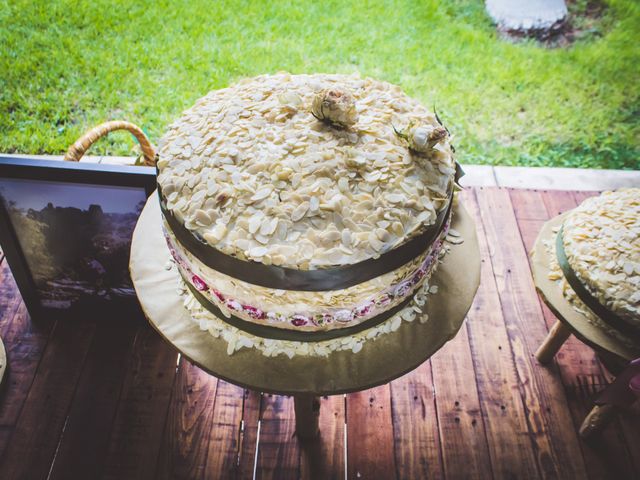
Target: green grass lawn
[(65, 67)]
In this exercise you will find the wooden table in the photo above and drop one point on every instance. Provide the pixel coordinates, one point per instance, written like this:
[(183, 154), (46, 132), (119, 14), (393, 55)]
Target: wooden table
[(77, 402)]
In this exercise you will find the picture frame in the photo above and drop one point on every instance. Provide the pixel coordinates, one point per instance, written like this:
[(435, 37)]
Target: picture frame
[(65, 230)]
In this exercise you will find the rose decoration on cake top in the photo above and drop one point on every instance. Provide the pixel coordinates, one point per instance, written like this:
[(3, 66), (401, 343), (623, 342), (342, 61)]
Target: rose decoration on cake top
[(335, 106)]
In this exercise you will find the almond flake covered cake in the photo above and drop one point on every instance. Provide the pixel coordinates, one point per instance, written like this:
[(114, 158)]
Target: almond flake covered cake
[(601, 240), (297, 205)]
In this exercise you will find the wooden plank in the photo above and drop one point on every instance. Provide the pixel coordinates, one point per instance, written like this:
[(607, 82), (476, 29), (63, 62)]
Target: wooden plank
[(370, 434), (186, 433), (323, 458), (278, 448), (579, 368), (224, 441), (136, 434), (530, 204), (557, 202), (415, 425), (530, 212), (43, 416), (583, 195), (462, 428), (24, 344), (24, 341), (249, 436), (85, 438), (510, 446), (529, 232), (556, 443)]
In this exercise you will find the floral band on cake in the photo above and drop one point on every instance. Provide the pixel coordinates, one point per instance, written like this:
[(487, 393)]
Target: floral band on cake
[(374, 306)]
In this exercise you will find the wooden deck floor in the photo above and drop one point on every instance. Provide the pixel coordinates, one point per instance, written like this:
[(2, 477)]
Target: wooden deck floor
[(88, 399)]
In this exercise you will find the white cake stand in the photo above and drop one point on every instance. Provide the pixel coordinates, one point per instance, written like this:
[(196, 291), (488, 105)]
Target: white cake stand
[(380, 360)]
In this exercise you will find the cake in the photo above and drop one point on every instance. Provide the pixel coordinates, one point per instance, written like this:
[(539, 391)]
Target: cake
[(305, 209), (597, 261)]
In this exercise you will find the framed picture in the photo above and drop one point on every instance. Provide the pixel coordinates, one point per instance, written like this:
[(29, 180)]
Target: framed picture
[(66, 229)]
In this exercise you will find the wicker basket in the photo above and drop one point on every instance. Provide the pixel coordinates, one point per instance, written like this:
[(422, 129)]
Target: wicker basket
[(79, 148)]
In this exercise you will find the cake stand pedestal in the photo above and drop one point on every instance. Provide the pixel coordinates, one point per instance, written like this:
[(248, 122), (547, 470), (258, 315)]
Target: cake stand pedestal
[(611, 349), (380, 361)]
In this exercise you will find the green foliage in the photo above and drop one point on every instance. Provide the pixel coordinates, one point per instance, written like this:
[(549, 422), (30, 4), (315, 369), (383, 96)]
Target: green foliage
[(66, 66)]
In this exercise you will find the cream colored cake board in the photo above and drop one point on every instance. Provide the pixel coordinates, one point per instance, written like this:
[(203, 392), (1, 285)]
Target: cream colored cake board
[(379, 361), (552, 295)]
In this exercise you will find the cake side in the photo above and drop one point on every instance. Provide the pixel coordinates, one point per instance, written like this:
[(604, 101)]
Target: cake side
[(237, 339), (305, 311)]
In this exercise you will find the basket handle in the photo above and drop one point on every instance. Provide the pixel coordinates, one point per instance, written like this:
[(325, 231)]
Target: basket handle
[(78, 149)]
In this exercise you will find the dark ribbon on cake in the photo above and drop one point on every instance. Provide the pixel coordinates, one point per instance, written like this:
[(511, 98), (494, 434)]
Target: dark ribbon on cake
[(267, 331), (328, 279), (587, 298), (458, 175)]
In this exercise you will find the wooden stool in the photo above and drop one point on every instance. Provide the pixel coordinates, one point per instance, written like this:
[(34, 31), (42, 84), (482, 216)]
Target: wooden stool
[(622, 393), (572, 322), (555, 339)]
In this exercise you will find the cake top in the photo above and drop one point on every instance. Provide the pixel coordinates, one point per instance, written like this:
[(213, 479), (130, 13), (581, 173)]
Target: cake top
[(602, 242), (306, 171)]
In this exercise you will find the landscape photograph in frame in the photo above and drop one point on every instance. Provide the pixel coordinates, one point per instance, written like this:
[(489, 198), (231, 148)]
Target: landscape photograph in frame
[(75, 238)]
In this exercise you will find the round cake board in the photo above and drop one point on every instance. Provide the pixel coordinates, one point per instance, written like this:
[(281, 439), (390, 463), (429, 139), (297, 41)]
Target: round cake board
[(380, 361), (580, 326)]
